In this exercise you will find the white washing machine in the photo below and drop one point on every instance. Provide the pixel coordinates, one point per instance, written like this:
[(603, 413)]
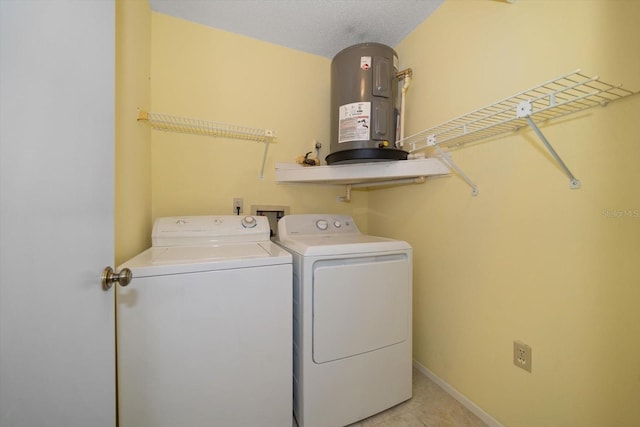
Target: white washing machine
[(204, 330), (352, 320)]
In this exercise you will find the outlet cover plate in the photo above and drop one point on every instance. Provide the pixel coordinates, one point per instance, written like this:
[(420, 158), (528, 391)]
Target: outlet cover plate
[(522, 355), (238, 205)]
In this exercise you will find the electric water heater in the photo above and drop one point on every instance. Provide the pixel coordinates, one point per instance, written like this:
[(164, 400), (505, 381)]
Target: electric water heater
[(364, 113)]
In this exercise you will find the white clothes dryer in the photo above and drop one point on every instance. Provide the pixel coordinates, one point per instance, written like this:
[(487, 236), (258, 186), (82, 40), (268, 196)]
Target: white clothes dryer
[(352, 341), (204, 330)]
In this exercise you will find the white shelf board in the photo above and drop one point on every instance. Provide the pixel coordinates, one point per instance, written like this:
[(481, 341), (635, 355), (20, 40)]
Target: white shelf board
[(358, 173)]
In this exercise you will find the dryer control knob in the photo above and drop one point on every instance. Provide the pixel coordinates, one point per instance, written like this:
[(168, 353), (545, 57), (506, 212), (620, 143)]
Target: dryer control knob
[(322, 224), (337, 223), (249, 222)]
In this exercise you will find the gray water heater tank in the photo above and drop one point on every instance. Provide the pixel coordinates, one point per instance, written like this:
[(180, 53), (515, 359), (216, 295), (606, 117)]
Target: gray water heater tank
[(364, 90)]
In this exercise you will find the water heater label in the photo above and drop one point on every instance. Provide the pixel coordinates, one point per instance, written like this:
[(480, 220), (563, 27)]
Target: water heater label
[(354, 122), (365, 62)]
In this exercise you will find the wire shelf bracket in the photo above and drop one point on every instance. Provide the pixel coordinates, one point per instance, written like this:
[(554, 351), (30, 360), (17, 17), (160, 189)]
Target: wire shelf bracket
[(448, 160), (564, 95), (178, 124), (524, 110)]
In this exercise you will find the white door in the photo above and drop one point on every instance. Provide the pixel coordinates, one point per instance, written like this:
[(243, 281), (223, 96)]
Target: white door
[(56, 218)]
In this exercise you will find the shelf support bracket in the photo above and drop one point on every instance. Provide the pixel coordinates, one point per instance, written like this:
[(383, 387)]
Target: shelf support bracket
[(347, 194), (269, 135), (524, 109), (446, 157)]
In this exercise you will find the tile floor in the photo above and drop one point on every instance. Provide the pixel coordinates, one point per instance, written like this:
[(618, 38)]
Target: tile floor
[(430, 406)]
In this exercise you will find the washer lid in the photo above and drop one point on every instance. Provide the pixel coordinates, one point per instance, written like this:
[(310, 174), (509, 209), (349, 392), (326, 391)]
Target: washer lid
[(157, 261)]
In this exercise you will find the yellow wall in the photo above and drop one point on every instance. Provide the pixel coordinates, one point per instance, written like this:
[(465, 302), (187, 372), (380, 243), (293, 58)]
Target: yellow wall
[(133, 149), (529, 258), (209, 74)]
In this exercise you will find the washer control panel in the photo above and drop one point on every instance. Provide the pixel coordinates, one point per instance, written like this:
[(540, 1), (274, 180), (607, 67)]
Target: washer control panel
[(199, 230), (316, 224)]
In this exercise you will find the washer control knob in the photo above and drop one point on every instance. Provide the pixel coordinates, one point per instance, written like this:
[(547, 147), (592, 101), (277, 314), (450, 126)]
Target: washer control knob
[(322, 224), (337, 223), (249, 222)]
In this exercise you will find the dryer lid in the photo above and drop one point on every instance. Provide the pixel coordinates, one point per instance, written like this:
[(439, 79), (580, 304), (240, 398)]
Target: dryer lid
[(324, 234), (343, 245)]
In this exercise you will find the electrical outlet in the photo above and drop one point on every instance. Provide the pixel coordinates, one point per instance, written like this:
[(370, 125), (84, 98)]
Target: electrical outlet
[(522, 355), (238, 205)]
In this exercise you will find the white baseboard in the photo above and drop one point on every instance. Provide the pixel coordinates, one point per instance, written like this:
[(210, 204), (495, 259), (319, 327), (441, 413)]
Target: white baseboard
[(464, 400)]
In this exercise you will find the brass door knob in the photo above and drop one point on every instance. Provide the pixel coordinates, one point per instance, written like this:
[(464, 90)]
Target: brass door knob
[(109, 277)]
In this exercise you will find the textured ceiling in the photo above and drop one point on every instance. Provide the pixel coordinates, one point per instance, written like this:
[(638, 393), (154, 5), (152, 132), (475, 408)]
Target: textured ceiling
[(321, 27)]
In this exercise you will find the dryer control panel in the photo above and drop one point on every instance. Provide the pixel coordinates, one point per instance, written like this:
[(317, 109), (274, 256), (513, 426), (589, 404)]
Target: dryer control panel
[(316, 224)]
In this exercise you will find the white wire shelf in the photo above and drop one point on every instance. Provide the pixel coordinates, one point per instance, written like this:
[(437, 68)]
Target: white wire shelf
[(188, 125), (564, 95), (171, 123)]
